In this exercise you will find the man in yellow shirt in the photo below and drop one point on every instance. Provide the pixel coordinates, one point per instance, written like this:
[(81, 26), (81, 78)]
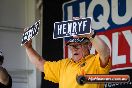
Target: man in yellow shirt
[(65, 71)]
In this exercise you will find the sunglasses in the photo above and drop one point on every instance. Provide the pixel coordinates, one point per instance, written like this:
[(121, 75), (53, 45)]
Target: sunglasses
[(75, 46)]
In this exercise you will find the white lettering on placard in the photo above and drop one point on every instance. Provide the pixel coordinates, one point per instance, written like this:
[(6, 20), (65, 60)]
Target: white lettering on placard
[(30, 34), (84, 25), (64, 27), (80, 23), (74, 27), (69, 28), (59, 29)]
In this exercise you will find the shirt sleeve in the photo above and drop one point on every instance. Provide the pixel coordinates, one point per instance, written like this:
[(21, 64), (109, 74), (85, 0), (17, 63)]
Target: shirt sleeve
[(103, 70), (52, 71)]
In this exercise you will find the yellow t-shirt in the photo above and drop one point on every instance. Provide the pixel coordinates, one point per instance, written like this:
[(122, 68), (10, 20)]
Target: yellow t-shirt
[(65, 71)]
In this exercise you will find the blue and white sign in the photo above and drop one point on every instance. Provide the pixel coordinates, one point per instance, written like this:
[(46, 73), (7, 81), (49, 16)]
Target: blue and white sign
[(112, 20), (72, 27)]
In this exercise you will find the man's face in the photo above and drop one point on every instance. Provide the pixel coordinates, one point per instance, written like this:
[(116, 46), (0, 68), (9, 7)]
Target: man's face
[(78, 50)]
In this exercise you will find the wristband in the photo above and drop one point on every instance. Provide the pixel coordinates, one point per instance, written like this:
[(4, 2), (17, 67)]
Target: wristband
[(92, 37)]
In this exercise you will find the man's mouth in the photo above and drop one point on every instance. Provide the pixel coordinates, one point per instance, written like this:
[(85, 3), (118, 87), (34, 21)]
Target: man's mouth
[(75, 53)]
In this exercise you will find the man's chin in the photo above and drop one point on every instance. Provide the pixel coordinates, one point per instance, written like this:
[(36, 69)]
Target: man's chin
[(76, 58)]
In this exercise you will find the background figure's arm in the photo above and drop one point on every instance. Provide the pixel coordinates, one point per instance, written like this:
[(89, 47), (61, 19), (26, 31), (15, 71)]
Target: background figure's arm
[(4, 78), (34, 57), (102, 49)]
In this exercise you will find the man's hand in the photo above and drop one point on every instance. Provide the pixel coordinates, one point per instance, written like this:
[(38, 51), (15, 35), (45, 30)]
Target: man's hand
[(28, 44)]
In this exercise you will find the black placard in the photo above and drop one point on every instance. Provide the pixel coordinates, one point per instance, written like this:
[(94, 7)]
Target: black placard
[(72, 27), (30, 32)]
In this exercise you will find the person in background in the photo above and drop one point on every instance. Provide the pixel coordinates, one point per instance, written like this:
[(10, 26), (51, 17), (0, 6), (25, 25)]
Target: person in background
[(82, 62), (5, 78)]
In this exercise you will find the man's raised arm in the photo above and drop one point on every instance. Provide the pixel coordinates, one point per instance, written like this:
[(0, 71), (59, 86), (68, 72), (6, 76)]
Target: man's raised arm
[(33, 56), (101, 47)]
